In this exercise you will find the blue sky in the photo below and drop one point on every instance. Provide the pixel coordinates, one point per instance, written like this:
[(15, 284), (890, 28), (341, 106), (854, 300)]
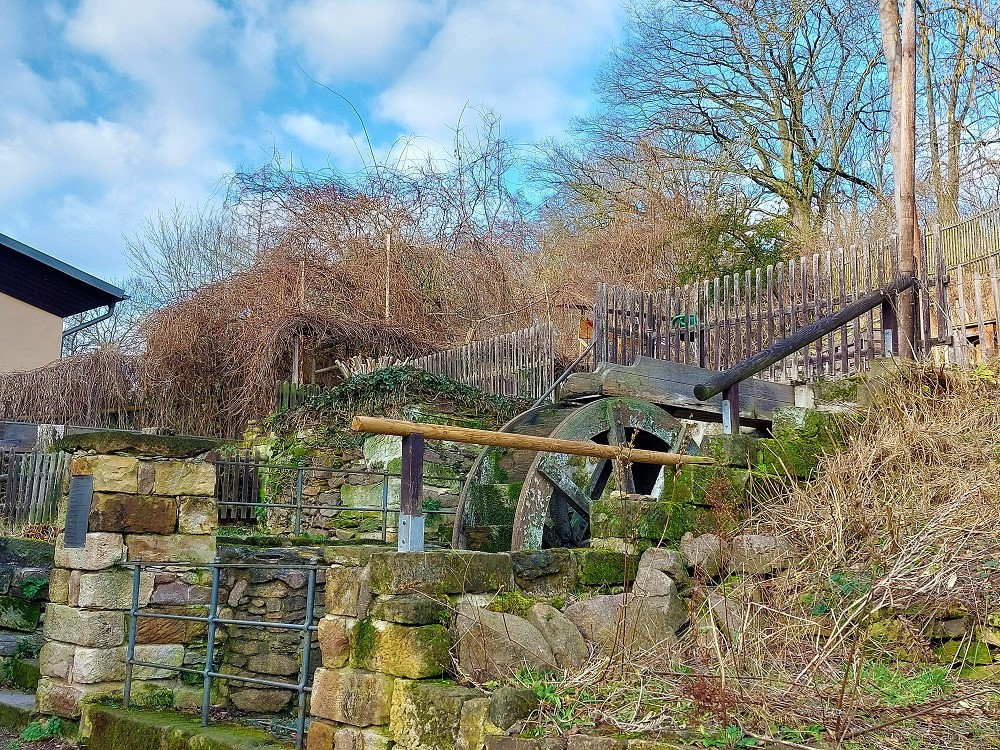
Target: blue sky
[(114, 109)]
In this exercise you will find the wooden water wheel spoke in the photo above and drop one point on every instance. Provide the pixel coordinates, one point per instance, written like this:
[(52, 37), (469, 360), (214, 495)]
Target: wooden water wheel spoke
[(576, 497)]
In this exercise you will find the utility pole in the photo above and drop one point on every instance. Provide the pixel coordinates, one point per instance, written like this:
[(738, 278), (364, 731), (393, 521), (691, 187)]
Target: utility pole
[(899, 43)]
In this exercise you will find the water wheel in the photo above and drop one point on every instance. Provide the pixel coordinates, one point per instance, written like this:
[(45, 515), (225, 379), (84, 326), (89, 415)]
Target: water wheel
[(530, 500)]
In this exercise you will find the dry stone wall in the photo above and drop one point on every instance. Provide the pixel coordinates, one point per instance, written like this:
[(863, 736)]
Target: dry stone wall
[(338, 478)]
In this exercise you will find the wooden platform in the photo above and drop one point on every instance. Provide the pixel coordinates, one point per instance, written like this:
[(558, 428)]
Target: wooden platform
[(672, 386)]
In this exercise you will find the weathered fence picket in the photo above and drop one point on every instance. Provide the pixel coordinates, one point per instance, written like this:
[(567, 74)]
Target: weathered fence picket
[(30, 485), (717, 323)]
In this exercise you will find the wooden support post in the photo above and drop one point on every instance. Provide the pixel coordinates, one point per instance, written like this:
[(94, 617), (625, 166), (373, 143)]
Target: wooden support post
[(731, 410), (411, 490), (890, 327)]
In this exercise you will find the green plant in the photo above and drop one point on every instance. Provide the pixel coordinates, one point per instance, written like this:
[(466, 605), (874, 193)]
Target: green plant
[(431, 503), (42, 729), (897, 688), (32, 585), (730, 737)]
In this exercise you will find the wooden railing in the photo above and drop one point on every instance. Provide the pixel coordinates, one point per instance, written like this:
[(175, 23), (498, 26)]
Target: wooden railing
[(969, 242)]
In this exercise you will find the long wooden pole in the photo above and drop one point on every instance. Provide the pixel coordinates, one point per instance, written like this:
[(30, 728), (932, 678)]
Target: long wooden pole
[(378, 426)]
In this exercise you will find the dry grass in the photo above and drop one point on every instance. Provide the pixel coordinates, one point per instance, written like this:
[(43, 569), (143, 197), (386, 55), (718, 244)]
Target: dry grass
[(900, 527)]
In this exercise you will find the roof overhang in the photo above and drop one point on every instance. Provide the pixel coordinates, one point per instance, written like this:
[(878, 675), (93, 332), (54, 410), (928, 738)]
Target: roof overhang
[(49, 284)]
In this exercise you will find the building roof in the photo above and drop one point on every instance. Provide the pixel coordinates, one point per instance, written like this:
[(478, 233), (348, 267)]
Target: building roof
[(49, 284)]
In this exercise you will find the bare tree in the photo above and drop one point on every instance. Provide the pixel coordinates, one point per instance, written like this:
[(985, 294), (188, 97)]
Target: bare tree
[(781, 94), (175, 253)]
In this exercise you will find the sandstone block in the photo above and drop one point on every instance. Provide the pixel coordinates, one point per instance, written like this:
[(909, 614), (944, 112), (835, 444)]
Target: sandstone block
[(184, 478), (757, 554), (260, 700), (563, 637), (94, 629), (156, 630), (334, 640), (101, 550), (493, 645), (111, 473), (198, 515), (348, 590), (56, 659), (92, 665), (111, 589), (352, 696), (350, 738), (321, 735), (172, 548), (427, 715), (167, 654), (59, 586), (412, 651), (410, 609), (441, 572), (136, 514), (56, 698)]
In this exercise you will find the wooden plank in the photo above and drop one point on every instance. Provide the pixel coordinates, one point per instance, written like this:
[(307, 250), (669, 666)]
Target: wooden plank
[(672, 385), (977, 281), (831, 344), (995, 289), (770, 315), (817, 307)]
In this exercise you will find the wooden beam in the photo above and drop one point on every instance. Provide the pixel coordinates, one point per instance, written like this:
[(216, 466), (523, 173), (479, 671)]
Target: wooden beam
[(378, 426)]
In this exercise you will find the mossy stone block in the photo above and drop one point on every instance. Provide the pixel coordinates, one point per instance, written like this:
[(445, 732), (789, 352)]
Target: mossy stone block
[(412, 651), (627, 516), (598, 567), (731, 450), (719, 486), (136, 444), (410, 609), (801, 436), (31, 553), (440, 572), (964, 653), (844, 390), (18, 614), (426, 714), (25, 673)]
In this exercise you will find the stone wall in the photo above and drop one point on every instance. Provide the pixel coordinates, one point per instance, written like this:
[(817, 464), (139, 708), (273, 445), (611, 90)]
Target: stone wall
[(341, 481), (269, 595), (405, 634), (25, 569), (153, 501)]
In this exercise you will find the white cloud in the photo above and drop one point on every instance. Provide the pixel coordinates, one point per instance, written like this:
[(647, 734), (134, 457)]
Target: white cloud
[(519, 57), (360, 40), (346, 150)]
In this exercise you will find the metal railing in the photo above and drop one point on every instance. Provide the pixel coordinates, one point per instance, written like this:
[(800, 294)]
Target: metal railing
[(212, 620), (298, 505)]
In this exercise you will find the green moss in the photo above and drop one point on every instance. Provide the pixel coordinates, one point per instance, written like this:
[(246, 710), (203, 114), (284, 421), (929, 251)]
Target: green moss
[(596, 567), (18, 614), (364, 642), (800, 437), (512, 602), (152, 696), (493, 504), (136, 444), (117, 729)]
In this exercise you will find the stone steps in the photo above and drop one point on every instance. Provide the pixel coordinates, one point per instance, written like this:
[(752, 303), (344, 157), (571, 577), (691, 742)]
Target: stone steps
[(17, 709)]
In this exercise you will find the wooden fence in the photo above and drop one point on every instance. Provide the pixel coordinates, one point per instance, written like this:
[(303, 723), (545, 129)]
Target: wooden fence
[(520, 363), (969, 242), (238, 480), (717, 323), (30, 485)]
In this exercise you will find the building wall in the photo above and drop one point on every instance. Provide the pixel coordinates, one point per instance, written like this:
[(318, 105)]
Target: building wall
[(29, 337)]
